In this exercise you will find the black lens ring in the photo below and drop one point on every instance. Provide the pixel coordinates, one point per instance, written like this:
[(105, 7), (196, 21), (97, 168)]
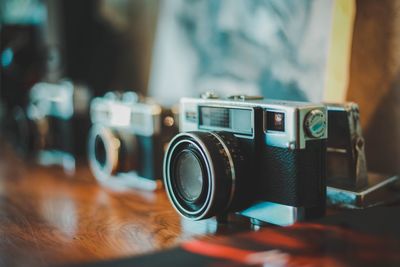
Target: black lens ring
[(220, 168)]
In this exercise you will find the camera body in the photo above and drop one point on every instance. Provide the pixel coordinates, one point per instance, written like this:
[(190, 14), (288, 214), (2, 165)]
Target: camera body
[(263, 159), (349, 182), (50, 128), (127, 140), (346, 162)]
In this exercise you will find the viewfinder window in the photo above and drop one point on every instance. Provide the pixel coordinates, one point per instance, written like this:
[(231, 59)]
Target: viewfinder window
[(235, 120)]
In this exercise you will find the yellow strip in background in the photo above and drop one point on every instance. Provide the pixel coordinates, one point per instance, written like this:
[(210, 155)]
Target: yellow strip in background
[(338, 64)]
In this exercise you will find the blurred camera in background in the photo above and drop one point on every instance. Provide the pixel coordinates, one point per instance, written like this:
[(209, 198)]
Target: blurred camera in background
[(350, 184), (127, 140), (51, 129)]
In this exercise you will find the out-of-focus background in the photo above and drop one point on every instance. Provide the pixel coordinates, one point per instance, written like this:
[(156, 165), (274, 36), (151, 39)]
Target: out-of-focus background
[(326, 50)]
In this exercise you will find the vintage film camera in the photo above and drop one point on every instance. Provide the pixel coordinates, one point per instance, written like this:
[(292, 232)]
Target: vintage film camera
[(265, 160), (50, 128), (349, 182), (127, 140)]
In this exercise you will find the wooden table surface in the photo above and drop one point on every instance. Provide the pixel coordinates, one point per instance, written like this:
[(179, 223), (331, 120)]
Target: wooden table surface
[(50, 218)]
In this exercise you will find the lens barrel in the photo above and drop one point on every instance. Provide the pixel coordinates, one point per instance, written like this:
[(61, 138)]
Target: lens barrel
[(111, 152), (201, 173)]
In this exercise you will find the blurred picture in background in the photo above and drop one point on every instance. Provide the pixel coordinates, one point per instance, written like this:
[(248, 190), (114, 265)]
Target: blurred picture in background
[(274, 48)]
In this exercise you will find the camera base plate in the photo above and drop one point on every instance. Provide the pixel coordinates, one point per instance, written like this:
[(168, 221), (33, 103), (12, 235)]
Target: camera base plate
[(57, 158), (264, 213), (130, 180), (378, 191)]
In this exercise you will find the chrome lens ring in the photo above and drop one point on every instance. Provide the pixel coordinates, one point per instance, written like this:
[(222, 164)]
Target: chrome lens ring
[(173, 150), (102, 169)]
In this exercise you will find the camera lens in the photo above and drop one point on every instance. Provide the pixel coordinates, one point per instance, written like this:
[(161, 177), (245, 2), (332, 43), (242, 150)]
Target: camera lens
[(202, 171), (112, 152), (100, 151), (189, 175)]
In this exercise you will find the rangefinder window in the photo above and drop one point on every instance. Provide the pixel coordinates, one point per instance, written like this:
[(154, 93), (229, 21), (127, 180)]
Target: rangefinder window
[(227, 119), (275, 121)]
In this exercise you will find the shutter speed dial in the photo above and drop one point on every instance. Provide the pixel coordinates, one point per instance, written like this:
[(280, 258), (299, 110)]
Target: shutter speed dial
[(315, 123)]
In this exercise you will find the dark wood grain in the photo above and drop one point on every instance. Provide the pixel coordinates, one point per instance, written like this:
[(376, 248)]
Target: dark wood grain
[(50, 218)]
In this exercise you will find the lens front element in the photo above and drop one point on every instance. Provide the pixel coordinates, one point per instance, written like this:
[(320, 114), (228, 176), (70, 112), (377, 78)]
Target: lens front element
[(100, 151), (189, 175)]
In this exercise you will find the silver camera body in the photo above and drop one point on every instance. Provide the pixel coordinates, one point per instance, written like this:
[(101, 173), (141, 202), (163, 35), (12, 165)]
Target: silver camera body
[(261, 159), (349, 182), (127, 140)]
